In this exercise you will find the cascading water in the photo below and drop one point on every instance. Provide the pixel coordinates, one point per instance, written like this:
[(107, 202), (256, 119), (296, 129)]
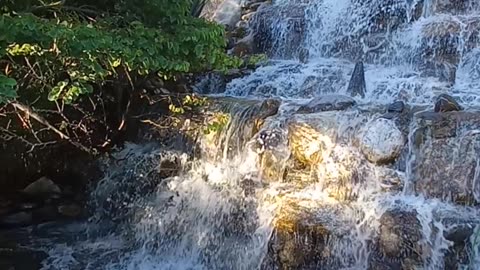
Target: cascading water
[(330, 186)]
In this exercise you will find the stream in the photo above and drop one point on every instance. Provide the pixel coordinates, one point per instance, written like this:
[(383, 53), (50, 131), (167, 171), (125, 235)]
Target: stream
[(337, 178)]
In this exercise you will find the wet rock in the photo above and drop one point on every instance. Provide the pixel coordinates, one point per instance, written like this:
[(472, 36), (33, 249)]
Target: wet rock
[(457, 256), (446, 156), (390, 180), (303, 55), (169, 167), (446, 103), (268, 108), (70, 210), (443, 41), (265, 90), (309, 86), (327, 103), (43, 187), (459, 233), (398, 244), (452, 6), (396, 107), (357, 86), (302, 236), (266, 23), (381, 141), (306, 143), (17, 219)]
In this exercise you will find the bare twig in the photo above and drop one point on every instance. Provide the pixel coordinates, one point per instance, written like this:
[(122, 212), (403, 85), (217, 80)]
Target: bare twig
[(30, 113), (11, 135)]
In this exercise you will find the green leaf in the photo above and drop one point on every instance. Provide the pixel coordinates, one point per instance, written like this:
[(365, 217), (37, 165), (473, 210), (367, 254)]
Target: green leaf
[(56, 91), (7, 89)]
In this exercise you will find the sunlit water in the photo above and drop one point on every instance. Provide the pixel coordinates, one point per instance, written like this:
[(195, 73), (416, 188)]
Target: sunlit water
[(204, 218)]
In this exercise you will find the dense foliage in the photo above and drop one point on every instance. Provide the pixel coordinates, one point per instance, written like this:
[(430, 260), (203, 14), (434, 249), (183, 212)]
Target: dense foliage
[(68, 53)]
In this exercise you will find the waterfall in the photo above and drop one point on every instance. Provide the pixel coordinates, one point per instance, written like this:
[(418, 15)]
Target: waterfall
[(326, 180)]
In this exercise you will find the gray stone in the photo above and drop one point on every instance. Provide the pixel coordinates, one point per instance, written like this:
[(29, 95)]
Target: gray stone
[(43, 187), (381, 141), (357, 86), (327, 103)]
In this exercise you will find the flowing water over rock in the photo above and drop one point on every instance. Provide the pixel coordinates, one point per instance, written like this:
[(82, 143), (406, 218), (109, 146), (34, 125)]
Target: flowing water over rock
[(386, 179)]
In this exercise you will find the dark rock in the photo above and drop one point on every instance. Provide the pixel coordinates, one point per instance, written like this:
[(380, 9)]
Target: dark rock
[(327, 103), (70, 210), (43, 187), (396, 107), (28, 206), (399, 239), (17, 219), (459, 233), (303, 55), (265, 90), (457, 256), (268, 108), (357, 85), (264, 25), (169, 167), (21, 259), (309, 86), (45, 214), (446, 103), (271, 145)]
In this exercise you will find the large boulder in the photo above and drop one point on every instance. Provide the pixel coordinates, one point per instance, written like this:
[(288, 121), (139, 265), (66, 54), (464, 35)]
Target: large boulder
[(381, 141), (446, 150), (43, 187), (398, 244), (322, 152)]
